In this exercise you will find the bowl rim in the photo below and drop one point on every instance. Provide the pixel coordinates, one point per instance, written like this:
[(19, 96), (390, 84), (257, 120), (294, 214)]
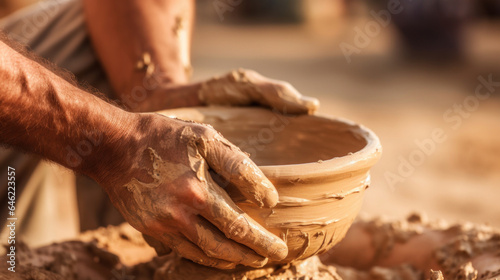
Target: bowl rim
[(359, 161)]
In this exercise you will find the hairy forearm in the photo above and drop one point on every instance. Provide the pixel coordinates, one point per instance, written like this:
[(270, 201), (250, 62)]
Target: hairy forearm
[(44, 114), (143, 45)]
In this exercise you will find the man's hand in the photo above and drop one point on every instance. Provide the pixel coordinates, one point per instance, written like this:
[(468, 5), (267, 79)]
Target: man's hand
[(237, 88), (245, 87), (156, 36), (155, 169), (167, 193)]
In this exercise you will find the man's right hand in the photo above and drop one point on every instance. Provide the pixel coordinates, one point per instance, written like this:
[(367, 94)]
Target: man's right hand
[(162, 187), (155, 169)]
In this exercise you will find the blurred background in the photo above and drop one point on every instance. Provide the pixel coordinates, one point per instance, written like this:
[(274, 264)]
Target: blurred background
[(408, 70)]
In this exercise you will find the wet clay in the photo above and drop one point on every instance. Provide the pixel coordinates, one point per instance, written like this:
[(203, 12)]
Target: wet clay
[(115, 252), (312, 268), (319, 165), (119, 252), (386, 235), (401, 272), (163, 172), (459, 251), (472, 249), (145, 64)]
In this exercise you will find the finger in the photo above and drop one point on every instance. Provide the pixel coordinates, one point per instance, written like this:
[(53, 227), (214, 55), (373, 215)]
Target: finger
[(238, 226), (287, 100), (159, 247), (236, 168), (233, 192), (188, 250), (279, 95), (213, 242)]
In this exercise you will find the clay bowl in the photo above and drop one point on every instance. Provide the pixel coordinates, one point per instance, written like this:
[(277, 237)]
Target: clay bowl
[(319, 165)]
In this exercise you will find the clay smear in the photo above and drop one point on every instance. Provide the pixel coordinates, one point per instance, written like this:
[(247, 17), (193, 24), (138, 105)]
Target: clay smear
[(163, 172), (145, 64), (232, 89)]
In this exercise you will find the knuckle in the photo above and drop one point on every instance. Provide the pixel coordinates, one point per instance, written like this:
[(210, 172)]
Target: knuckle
[(215, 250), (204, 136), (239, 169), (284, 84), (242, 166), (188, 192), (286, 87), (205, 131), (238, 229), (199, 202), (195, 196)]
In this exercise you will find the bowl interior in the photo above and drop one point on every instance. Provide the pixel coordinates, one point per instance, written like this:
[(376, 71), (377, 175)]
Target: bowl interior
[(273, 139)]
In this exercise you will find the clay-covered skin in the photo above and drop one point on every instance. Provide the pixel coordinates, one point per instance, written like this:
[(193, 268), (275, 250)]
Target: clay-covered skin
[(244, 87), (115, 252), (320, 167), (169, 195)]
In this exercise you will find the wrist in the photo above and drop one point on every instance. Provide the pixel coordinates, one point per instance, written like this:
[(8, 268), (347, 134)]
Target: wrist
[(164, 96), (146, 88), (114, 146)]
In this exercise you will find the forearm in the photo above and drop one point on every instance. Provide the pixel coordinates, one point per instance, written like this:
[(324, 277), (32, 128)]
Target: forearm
[(161, 29), (42, 113)]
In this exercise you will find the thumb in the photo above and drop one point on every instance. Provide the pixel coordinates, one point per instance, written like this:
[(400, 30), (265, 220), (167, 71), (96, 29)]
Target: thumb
[(235, 167)]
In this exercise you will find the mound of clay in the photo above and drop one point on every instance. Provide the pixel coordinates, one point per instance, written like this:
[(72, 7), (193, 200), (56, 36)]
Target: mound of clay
[(105, 253), (373, 249)]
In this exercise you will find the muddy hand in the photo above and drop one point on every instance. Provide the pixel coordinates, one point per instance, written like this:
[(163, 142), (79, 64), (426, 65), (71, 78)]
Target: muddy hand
[(168, 194), (245, 87)]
